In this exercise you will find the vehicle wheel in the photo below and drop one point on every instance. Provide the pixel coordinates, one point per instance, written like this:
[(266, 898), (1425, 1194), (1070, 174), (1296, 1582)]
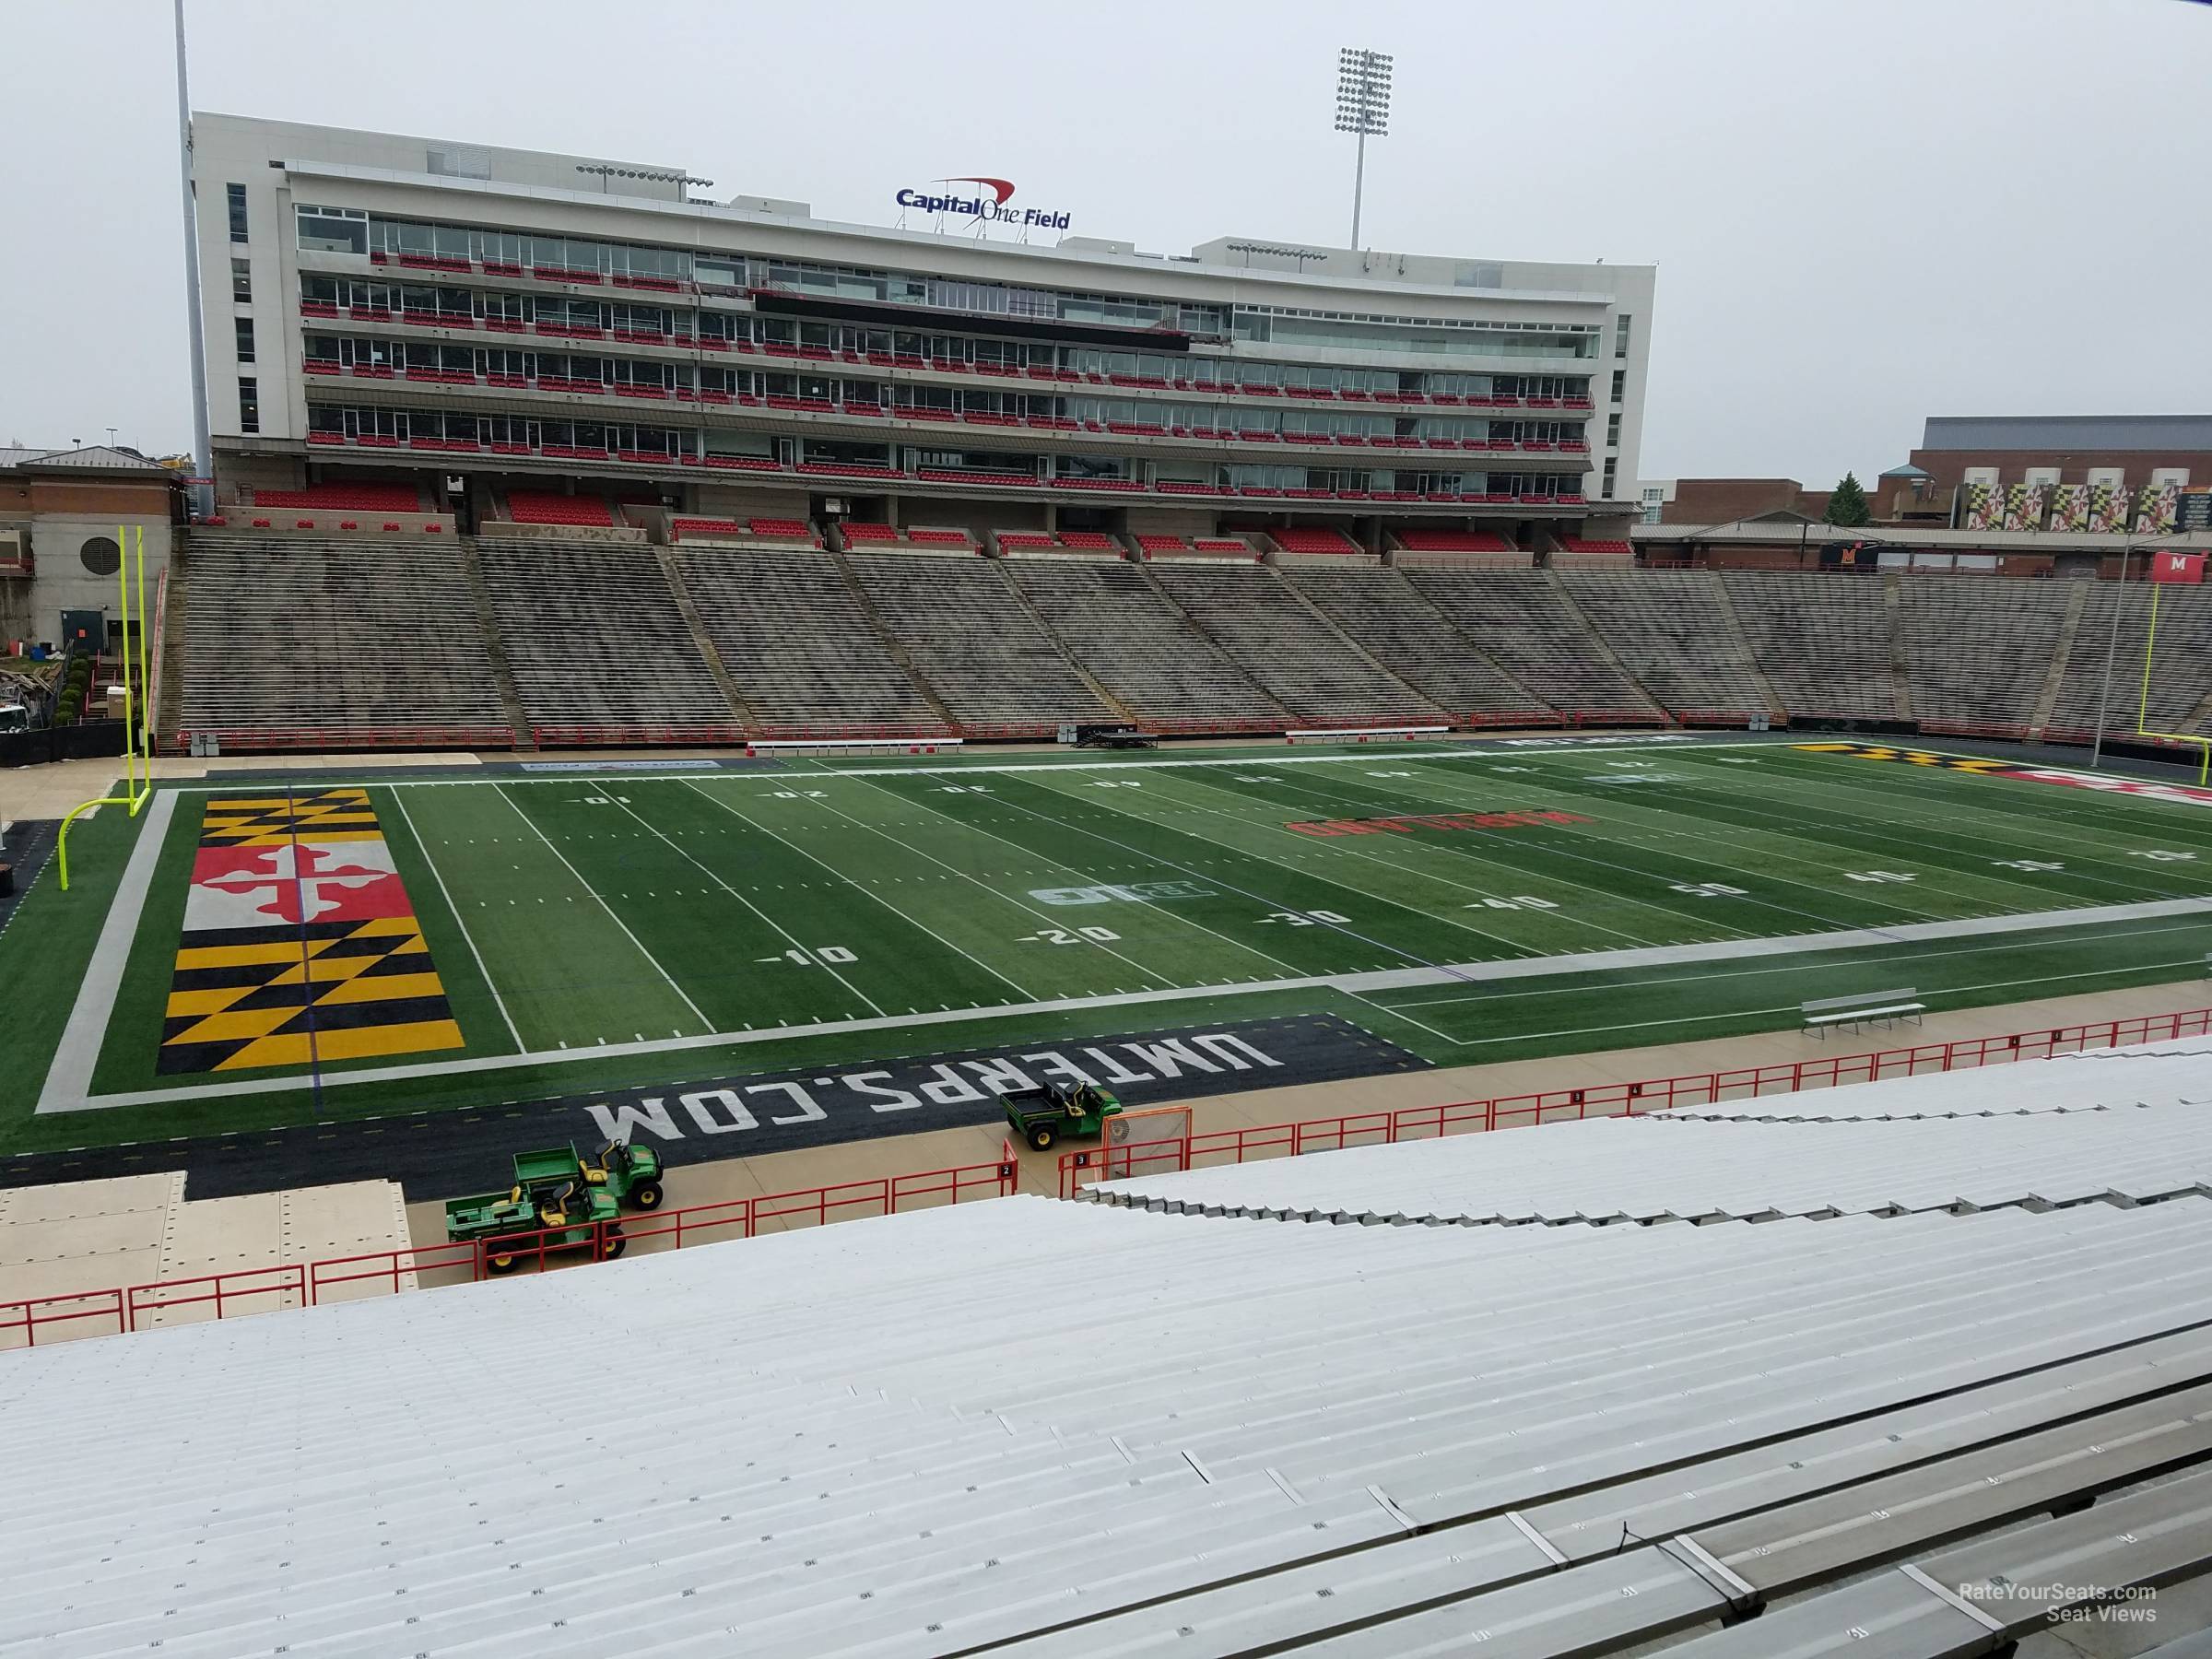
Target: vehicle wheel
[(500, 1263), (614, 1246), (1116, 1130), (646, 1194), (1042, 1137)]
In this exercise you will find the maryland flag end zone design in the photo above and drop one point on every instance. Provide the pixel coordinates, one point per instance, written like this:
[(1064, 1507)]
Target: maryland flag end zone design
[(299, 944)]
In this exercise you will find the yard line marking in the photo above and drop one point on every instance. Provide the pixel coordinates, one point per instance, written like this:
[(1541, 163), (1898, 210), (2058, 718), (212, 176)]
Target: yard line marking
[(609, 909), (788, 938), (1487, 838), (1634, 1025), (1171, 864), (864, 892), (1625, 829), (1393, 864), (1321, 874), (1353, 984), (438, 877), (1995, 818), (1710, 977), (1083, 875), (995, 892)]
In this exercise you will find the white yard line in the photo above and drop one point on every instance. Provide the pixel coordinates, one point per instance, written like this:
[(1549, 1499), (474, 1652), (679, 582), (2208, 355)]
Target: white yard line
[(438, 877), (611, 916), (69, 1079), (1007, 898), (746, 819), (1352, 984), (1082, 876)]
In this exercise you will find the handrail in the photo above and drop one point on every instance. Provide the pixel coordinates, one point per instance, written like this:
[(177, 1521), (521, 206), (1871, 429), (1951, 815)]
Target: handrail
[(1081, 1168), (307, 1284)]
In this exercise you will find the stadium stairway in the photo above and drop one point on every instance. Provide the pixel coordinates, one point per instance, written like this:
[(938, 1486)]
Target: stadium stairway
[(1725, 607), (1900, 678), (891, 647), (1023, 603), (2077, 603), (1393, 622), (1352, 647), (495, 642), (1599, 647), (1287, 648), (673, 572), (170, 688)]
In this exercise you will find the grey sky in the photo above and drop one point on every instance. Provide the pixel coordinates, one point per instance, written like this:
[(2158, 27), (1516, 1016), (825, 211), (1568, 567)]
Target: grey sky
[(1863, 213)]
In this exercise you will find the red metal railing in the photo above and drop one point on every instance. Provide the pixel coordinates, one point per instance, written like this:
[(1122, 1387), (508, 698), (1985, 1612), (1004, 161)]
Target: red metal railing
[(357, 737), (307, 1284), (1609, 1100)]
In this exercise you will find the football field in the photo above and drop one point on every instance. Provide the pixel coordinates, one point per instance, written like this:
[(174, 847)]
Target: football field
[(268, 951)]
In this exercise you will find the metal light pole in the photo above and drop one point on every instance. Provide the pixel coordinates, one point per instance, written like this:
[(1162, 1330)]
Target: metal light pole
[(203, 446), (2112, 649), (1362, 107)]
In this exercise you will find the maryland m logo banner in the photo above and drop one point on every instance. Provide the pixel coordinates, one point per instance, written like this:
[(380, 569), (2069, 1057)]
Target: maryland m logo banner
[(299, 944)]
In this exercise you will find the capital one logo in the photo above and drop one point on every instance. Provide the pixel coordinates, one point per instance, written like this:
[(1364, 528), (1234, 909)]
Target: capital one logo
[(987, 203)]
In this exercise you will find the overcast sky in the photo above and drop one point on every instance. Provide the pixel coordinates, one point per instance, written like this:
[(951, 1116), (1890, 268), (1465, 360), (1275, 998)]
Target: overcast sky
[(1863, 213)]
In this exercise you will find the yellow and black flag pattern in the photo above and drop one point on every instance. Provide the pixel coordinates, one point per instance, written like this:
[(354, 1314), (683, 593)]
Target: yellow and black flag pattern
[(1910, 756), (299, 944)]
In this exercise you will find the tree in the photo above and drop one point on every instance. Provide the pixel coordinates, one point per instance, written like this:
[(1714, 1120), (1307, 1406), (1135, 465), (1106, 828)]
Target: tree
[(1847, 503)]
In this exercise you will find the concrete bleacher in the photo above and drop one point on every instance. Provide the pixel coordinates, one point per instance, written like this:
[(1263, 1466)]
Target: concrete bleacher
[(1295, 658), (2178, 686), (1386, 615), (1528, 628), (1338, 1439), (334, 636), (796, 643), (1134, 643), (1671, 631), (595, 639), (1972, 661), (973, 640), (1823, 640)]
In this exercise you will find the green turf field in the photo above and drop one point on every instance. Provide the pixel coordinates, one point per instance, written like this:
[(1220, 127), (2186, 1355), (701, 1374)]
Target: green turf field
[(564, 932)]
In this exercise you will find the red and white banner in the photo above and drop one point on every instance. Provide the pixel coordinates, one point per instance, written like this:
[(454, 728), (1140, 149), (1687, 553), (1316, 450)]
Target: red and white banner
[(2186, 794), (2177, 566)]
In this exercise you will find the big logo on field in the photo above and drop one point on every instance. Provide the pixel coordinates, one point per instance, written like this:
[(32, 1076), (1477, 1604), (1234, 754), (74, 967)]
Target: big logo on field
[(299, 944), (1882, 751)]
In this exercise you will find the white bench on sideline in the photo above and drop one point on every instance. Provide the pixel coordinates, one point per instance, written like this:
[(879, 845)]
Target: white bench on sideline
[(850, 745), (1366, 734), (1824, 1014)]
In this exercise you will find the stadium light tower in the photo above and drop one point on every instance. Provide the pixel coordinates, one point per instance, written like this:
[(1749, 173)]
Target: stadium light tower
[(1362, 107)]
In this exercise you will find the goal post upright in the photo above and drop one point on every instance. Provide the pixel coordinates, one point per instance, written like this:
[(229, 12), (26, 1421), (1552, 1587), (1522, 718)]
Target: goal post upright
[(2201, 744), (138, 749)]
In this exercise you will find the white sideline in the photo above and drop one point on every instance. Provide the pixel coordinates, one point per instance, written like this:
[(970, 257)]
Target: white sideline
[(1353, 984), (69, 1079)]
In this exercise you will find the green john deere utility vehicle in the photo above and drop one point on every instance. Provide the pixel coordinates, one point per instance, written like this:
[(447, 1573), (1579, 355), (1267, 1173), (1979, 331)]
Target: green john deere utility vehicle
[(1059, 1111), (524, 1221), (630, 1175)]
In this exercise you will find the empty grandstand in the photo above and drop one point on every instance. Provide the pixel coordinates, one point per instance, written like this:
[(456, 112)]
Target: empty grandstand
[(1938, 1397), (597, 643), (897, 635)]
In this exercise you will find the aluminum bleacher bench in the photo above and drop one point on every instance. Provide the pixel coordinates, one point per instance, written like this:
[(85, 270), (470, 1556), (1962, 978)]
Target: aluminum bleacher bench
[(1823, 1013), (1982, 1596)]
